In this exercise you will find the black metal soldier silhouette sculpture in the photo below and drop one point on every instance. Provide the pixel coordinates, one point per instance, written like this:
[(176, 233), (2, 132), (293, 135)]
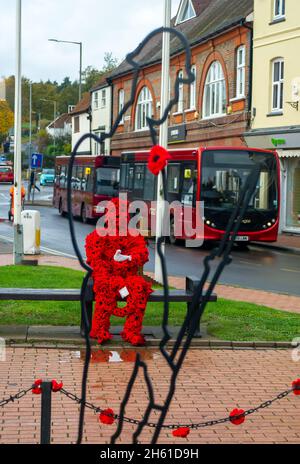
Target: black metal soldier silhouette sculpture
[(176, 356)]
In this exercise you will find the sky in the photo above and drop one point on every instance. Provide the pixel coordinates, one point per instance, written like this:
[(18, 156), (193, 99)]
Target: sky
[(115, 26)]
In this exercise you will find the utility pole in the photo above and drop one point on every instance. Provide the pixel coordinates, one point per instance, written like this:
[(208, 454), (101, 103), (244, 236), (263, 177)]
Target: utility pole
[(18, 230), (163, 135), (80, 60), (30, 136)]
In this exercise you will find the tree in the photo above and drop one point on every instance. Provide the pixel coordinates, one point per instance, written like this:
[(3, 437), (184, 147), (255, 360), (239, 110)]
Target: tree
[(110, 62), (43, 140), (6, 119)]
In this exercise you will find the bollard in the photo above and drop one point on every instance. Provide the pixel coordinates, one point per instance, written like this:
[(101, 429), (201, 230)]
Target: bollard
[(46, 413), (191, 286)]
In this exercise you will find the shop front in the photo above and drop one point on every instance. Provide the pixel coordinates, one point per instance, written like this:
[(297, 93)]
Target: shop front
[(287, 145)]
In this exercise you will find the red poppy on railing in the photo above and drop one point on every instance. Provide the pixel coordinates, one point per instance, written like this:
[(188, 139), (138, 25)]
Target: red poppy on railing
[(107, 417), (182, 432), (237, 416), (158, 159), (296, 387), (36, 389), (56, 387)]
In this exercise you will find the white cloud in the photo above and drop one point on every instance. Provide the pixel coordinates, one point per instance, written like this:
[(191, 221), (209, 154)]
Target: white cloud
[(103, 26)]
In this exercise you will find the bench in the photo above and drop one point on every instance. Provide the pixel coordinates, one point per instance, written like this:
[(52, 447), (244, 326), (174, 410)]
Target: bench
[(29, 294)]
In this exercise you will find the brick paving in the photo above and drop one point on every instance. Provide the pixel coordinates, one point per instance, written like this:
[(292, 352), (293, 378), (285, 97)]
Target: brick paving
[(211, 384)]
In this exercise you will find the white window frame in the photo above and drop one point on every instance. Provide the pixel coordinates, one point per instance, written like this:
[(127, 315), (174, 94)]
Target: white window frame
[(277, 103), (193, 88), (121, 103), (280, 4), (103, 98), (182, 9), (96, 100), (180, 105), (240, 72), (144, 109), (215, 85)]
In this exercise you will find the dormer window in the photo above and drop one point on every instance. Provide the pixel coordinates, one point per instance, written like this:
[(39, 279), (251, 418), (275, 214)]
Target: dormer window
[(186, 11)]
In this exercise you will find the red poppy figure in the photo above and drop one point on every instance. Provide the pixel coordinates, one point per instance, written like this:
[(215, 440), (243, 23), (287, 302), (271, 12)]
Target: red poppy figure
[(119, 291)]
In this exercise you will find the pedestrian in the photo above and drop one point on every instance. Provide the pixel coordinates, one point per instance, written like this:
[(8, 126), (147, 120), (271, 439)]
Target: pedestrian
[(33, 183), (12, 201)]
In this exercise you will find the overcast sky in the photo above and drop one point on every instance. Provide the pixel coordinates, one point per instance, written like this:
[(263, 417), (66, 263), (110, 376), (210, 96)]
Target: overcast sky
[(115, 26)]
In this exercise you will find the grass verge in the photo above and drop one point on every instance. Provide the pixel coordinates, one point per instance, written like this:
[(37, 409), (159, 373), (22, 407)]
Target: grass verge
[(226, 319)]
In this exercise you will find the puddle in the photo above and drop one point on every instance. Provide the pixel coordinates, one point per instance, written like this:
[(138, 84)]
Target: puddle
[(117, 357)]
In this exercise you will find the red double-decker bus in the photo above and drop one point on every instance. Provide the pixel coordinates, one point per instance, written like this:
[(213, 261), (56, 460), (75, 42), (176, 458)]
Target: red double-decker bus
[(94, 179), (214, 176)]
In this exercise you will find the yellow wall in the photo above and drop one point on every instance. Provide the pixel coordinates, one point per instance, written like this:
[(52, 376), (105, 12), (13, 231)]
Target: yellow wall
[(274, 41)]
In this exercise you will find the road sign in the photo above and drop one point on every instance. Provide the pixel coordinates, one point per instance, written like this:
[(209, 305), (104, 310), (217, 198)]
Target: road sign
[(3, 158), (36, 160)]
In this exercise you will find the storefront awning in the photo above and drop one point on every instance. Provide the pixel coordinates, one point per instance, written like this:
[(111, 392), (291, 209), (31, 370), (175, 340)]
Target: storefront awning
[(288, 153)]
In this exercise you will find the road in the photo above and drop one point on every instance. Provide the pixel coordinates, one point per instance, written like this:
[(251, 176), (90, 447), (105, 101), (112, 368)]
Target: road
[(256, 268)]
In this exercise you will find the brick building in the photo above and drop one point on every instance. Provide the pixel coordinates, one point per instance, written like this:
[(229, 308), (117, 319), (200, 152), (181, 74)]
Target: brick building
[(215, 110)]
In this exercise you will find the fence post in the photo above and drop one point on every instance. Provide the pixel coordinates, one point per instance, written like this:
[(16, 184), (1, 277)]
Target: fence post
[(89, 299), (46, 413), (191, 285)]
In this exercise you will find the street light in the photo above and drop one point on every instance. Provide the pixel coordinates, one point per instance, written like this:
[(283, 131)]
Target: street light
[(18, 230), (80, 66), (163, 135)]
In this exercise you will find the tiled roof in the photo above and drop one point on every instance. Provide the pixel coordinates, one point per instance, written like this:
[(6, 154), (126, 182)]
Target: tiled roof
[(84, 104), (213, 17), (60, 122), (102, 82)]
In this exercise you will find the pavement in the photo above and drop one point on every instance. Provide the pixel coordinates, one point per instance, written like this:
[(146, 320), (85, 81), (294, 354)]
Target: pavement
[(211, 384)]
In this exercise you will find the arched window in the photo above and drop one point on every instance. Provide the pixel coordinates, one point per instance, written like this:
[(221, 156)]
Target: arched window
[(214, 102), (143, 109)]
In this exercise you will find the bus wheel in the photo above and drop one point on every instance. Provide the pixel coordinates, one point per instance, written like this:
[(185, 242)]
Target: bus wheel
[(83, 215)]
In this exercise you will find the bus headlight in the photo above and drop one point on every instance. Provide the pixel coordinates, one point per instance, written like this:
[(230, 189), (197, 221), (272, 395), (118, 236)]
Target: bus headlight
[(269, 224)]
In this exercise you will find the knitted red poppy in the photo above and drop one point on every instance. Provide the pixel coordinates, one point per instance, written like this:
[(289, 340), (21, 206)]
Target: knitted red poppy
[(37, 390), (56, 387), (296, 387), (158, 159), (237, 416), (182, 432), (107, 417)]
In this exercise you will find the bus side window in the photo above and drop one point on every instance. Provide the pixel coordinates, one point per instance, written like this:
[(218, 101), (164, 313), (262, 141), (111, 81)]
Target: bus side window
[(90, 181), (130, 177), (63, 177), (57, 175), (173, 178), (139, 176), (149, 187), (188, 196), (79, 177), (124, 176)]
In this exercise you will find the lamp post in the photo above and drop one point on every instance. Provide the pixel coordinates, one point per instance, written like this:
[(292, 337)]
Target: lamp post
[(18, 230), (80, 64), (163, 135)]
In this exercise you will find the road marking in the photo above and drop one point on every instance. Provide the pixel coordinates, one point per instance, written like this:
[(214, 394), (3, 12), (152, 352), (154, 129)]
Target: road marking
[(45, 249), (290, 270), (249, 263)]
